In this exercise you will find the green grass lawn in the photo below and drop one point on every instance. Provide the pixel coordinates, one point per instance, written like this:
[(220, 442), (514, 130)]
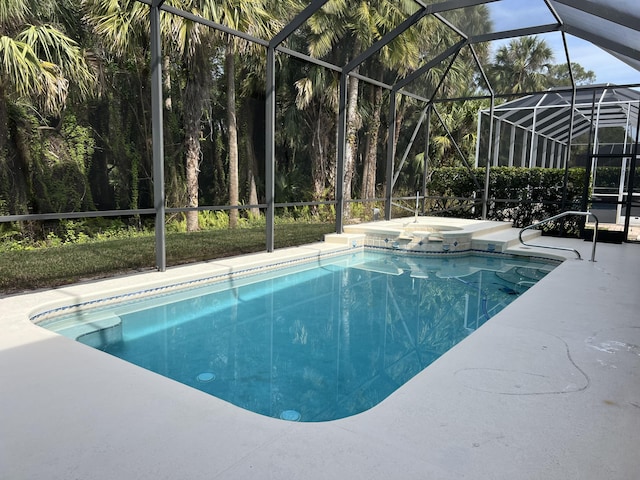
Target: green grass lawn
[(71, 263)]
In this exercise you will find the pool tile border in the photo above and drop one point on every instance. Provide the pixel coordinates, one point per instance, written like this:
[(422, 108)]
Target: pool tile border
[(459, 253), (217, 278), (179, 286)]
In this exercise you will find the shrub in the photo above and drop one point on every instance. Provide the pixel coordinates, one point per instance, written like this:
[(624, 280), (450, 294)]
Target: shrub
[(518, 195), (213, 219)]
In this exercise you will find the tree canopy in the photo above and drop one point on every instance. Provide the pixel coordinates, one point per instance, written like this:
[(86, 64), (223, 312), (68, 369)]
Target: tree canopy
[(525, 64), (75, 102)]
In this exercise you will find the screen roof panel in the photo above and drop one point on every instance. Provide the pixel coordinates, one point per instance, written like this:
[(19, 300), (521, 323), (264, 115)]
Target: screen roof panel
[(613, 107), (613, 25)]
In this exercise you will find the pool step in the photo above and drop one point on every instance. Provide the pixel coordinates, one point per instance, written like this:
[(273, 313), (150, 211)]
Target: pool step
[(523, 276), (501, 240), (97, 332), (350, 239), (436, 236)]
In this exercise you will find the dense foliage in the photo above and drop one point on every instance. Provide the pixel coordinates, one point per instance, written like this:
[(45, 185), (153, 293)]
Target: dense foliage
[(519, 195), (75, 128)]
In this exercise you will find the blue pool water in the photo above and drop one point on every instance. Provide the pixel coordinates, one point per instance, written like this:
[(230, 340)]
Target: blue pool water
[(313, 342)]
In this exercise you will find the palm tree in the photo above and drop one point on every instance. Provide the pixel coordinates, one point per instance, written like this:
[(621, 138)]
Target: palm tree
[(360, 24), (119, 38), (354, 27), (316, 102), (195, 46), (250, 16), (521, 66), (460, 119), (40, 65), (38, 61), (123, 27), (428, 38)]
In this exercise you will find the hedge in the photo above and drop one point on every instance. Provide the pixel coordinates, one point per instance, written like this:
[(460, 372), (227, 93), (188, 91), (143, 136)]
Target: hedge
[(518, 195)]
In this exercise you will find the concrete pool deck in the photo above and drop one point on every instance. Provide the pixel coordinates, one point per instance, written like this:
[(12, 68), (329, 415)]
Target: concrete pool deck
[(547, 389)]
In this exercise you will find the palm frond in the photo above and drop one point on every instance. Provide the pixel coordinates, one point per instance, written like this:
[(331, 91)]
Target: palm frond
[(120, 24), (13, 13), (53, 46), (19, 67), (54, 88)]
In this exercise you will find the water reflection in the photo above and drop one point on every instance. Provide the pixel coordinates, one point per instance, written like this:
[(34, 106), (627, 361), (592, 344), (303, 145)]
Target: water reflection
[(335, 342)]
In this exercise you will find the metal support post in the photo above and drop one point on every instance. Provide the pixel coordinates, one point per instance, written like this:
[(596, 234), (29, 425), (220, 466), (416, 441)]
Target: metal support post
[(572, 113), (157, 135), (269, 161), (425, 166), (485, 195), (632, 174), (495, 160), (512, 144)]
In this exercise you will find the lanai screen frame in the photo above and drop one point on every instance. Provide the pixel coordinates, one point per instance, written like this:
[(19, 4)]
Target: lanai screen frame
[(602, 106), (274, 45), (596, 9)]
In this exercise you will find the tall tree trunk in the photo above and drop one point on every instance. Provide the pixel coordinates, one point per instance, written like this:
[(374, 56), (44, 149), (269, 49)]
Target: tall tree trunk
[(351, 151), (17, 171), (219, 168), (252, 164), (400, 110), (196, 93), (399, 119), (4, 120), (166, 80), (232, 125), (371, 157), (192, 149), (319, 161)]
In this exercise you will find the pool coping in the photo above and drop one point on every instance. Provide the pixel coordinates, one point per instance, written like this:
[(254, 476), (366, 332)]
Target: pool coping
[(562, 403), (222, 273), (192, 276)]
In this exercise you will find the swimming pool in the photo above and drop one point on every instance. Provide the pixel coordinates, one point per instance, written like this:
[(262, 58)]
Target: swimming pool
[(312, 342)]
